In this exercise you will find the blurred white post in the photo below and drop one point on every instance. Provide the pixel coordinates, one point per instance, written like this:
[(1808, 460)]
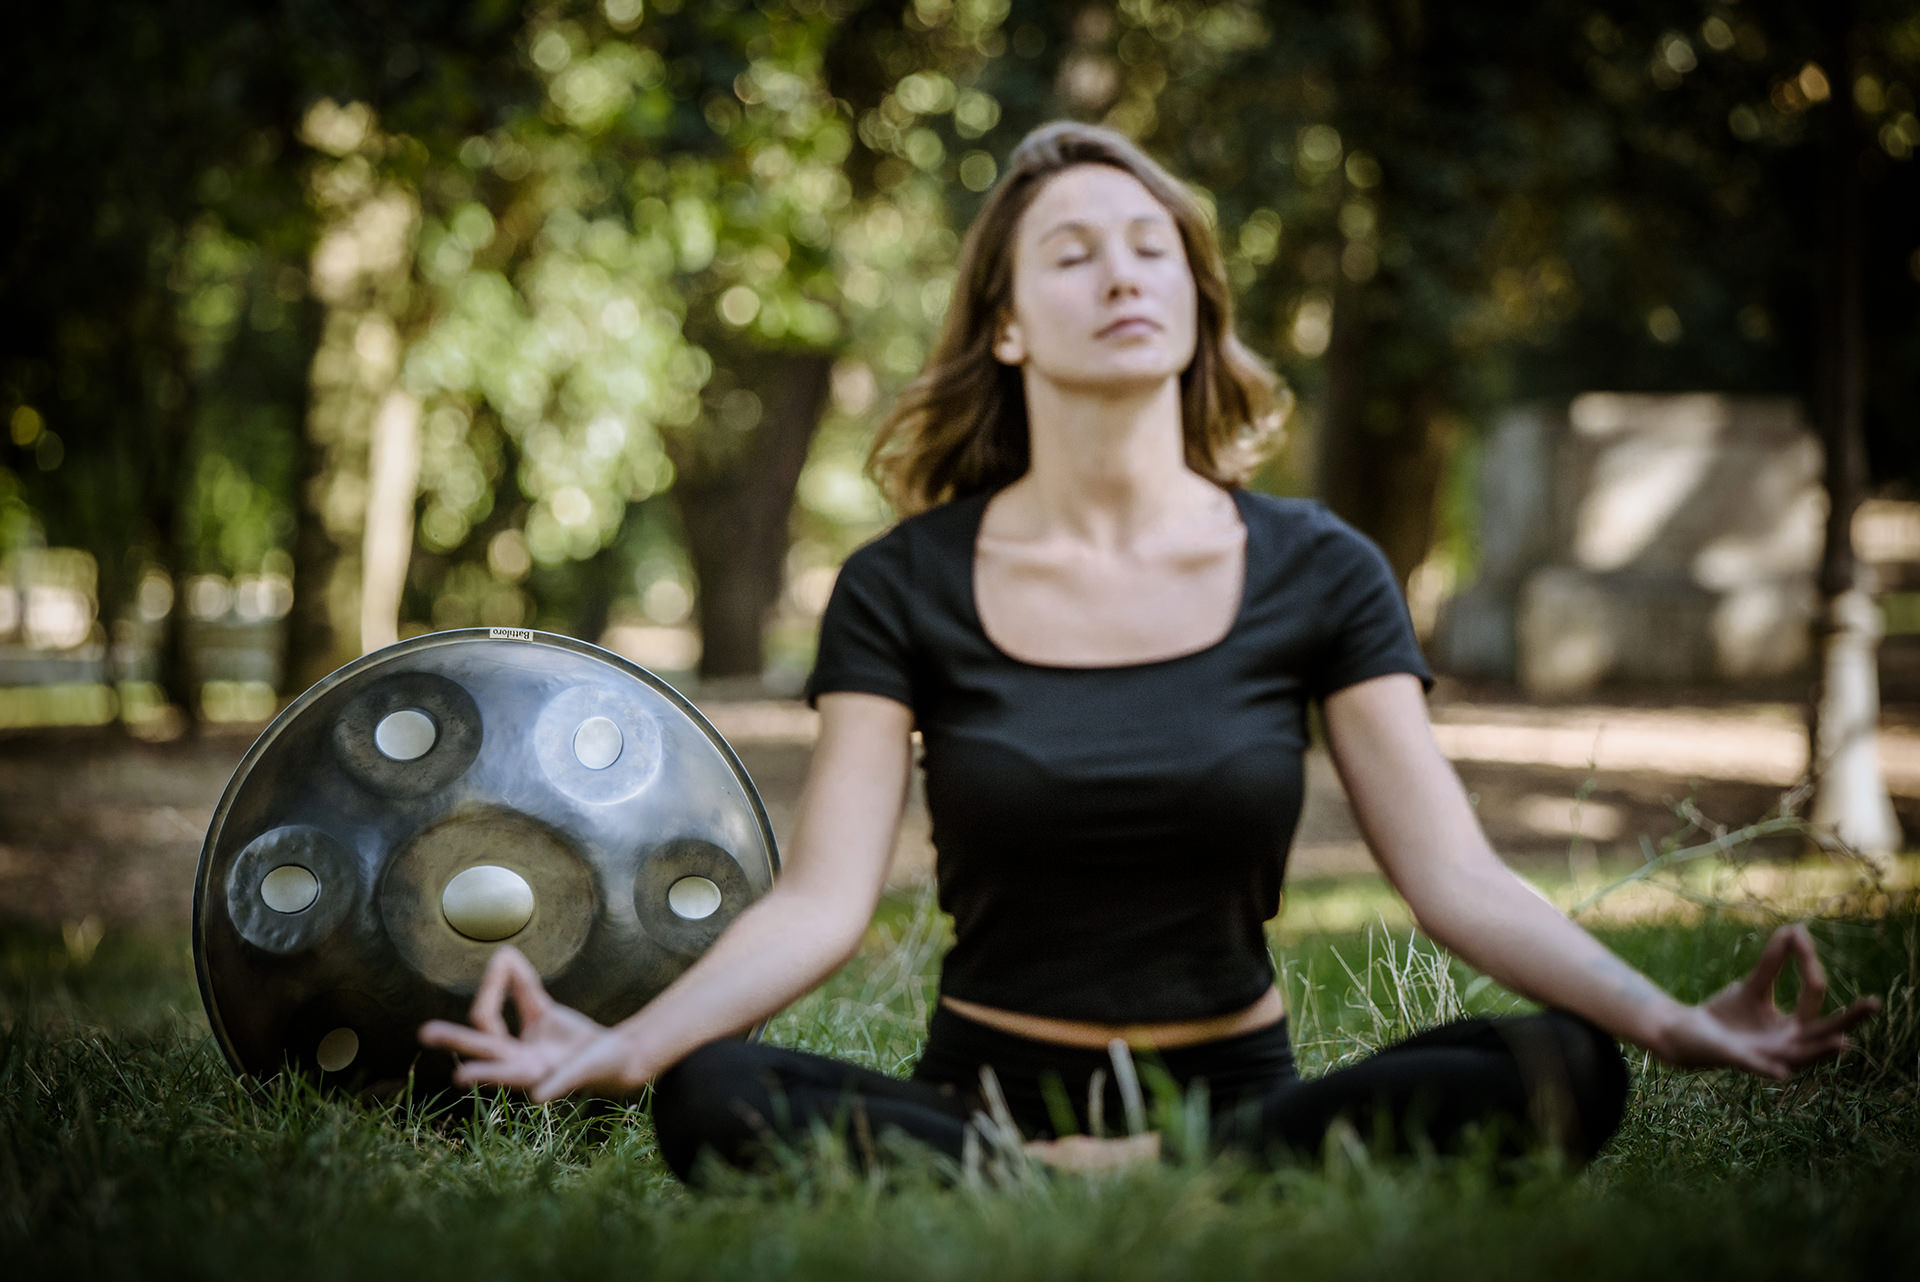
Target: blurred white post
[(1850, 794), (393, 476)]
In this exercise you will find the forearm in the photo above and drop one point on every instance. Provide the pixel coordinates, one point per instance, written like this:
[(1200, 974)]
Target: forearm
[(782, 945), (810, 923), (1418, 821), (1497, 924), (780, 948)]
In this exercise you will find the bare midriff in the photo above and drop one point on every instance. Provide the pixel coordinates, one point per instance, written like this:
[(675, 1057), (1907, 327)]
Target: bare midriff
[(1270, 1009)]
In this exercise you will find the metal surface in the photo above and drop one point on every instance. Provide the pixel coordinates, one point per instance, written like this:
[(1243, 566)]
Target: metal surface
[(424, 804)]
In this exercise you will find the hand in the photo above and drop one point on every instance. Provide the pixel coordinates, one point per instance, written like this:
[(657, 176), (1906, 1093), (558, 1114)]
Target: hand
[(558, 1050), (1742, 1027)]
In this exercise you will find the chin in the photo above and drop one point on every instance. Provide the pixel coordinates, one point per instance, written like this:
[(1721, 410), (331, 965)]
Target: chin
[(1122, 387)]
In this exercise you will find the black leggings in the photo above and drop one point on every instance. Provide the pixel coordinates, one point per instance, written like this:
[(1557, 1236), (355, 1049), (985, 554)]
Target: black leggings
[(1551, 1079)]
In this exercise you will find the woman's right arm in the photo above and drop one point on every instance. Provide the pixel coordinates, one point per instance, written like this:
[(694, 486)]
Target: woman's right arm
[(784, 945)]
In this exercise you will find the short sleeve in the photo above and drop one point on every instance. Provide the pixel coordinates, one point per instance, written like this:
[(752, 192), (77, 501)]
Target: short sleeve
[(864, 633), (1368, 630)]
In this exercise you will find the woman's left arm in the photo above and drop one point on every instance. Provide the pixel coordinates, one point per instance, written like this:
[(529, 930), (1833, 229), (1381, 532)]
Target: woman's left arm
[(1414, 813)]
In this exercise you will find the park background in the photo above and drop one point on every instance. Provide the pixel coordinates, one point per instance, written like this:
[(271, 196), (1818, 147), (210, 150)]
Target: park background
[(327, 324)]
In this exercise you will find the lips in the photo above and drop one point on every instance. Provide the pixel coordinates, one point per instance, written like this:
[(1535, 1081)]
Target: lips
[(1128, 325)]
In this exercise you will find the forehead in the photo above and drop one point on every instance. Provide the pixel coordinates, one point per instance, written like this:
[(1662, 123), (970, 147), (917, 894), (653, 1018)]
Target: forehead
[(1091, 195)]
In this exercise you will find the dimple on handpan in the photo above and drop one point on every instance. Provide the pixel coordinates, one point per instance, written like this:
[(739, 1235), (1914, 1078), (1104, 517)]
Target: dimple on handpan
[(439, 798)]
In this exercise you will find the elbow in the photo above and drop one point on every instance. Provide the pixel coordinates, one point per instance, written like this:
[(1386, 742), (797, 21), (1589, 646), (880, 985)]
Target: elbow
[(1436, 911), (1438, 927), (1455, 916), (827, 926)]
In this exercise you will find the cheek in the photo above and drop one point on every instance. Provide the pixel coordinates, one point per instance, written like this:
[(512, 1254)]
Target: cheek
[(1187, 290), (1185, 303), (1052, 296)]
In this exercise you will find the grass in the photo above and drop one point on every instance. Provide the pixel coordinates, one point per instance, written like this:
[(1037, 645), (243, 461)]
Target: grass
[(128, 1150)]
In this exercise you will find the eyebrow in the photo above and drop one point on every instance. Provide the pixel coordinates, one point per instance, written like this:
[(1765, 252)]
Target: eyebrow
[(1075, 224)]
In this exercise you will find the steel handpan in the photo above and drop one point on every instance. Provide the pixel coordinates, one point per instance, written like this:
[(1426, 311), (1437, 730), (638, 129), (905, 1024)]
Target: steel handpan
[(427, 803)]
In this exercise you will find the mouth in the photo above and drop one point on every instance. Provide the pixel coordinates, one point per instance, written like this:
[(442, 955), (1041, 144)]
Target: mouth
[(1128, 325)]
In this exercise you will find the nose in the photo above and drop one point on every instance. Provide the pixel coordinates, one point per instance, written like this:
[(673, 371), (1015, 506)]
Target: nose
[(1123, 279)]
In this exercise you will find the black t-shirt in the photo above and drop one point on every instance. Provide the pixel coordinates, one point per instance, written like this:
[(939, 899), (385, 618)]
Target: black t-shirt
[(1109, 840)]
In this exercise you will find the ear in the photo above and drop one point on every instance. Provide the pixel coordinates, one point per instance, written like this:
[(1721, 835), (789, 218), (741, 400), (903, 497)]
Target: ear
[(1010, 346)]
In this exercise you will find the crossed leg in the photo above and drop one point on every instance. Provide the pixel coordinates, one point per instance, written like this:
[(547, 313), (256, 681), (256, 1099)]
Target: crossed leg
[(1550, 1078)]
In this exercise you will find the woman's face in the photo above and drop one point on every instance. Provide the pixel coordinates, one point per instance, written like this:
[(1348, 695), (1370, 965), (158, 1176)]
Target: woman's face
[(1102, 293)]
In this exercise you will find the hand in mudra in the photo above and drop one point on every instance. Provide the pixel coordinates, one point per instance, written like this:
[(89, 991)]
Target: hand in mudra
[(1742, 1026), (558, 1050)]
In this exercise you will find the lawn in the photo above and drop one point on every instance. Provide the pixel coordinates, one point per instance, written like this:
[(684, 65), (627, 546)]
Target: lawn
[(128, 1149)]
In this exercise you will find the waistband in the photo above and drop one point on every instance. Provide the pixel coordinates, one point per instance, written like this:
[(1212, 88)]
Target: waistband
[(1029, 1071)]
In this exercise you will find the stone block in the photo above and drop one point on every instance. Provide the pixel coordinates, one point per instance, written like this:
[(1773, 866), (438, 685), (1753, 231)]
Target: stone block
[(1642, 540)]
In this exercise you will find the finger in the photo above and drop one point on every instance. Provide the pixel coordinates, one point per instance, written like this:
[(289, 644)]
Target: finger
[(529, 994), (1772, 1066), (488, 1011), (1841, 1021), (553, 1086), (515, 1075), (462, 1040), (600, 1065), (565, 1078), (1808, 1053), (1759, 983), (1749, 1054), (508, 974), (1813, 976)]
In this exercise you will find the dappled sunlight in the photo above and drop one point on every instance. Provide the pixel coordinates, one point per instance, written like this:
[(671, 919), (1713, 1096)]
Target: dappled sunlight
[(1613, 893), (1764, 746)]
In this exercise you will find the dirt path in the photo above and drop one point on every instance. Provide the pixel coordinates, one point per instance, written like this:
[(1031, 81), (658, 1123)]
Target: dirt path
[(96, 827)]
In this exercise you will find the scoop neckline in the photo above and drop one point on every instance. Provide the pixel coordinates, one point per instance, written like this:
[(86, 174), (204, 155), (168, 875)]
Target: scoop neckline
[(971, 597)]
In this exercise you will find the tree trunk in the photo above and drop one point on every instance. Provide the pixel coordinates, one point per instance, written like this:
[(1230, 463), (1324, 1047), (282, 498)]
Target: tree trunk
[(176, 667), (735, 510), (1850, 791), (111, 591), (313, 643), (393, 476), (600, 582), (358, 416), (1382, 477)]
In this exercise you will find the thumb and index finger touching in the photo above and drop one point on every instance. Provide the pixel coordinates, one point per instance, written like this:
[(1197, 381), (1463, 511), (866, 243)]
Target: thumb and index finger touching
[(508, 974), (1796, 942)]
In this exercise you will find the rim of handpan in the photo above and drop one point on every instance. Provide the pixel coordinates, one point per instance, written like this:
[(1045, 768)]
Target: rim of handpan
[(412, 645)]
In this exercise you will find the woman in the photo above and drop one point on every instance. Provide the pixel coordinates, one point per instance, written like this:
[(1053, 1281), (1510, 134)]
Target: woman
[(1108, 649)]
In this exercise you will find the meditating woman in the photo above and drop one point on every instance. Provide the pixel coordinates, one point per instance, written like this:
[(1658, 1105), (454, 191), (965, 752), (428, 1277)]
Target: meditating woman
[(1109, 649)]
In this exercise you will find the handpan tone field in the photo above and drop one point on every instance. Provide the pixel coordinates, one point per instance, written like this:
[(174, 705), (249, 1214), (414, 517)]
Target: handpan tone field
[(438, 798)]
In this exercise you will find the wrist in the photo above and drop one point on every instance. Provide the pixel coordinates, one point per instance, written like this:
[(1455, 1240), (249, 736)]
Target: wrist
[(1666, 1028), (634, 1052)]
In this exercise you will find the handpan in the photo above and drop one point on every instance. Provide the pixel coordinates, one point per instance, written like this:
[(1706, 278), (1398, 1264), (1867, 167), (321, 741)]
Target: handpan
[(438, 798)]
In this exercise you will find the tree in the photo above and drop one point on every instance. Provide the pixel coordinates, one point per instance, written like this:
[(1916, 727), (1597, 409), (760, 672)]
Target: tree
[(648, 291), (1850, 793)]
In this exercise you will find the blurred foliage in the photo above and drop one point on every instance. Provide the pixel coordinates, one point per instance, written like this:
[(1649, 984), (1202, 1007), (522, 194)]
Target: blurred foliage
[(648, 271)]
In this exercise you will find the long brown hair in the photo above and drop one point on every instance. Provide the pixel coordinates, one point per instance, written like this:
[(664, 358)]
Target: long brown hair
[(961, 426)]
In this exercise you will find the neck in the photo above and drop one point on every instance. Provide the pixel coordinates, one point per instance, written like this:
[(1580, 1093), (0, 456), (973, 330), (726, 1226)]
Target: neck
[(1108, 467)]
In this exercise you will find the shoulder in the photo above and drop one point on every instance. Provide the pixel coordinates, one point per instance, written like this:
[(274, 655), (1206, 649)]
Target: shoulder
[(1306, 525), (935, 529), (914, 549), (1280, 510)]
